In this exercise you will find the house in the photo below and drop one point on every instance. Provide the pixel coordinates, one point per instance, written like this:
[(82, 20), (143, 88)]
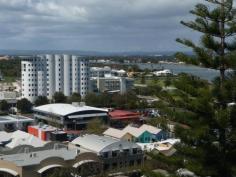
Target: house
[(144, 134), (158, 134), (131, 134), (119, 134)]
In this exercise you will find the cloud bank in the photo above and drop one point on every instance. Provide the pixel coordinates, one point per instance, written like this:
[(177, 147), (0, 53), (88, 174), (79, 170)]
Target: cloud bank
[(99, 25)]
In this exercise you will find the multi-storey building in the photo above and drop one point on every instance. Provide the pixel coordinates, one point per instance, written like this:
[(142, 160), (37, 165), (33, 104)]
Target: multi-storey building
[(111, 84), (43, 75)]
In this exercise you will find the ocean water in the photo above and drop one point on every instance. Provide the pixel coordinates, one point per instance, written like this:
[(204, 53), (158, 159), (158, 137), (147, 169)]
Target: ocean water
[(203, 73)]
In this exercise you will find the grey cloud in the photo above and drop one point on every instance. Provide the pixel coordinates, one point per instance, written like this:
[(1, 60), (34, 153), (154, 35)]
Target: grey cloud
[(113, 25)]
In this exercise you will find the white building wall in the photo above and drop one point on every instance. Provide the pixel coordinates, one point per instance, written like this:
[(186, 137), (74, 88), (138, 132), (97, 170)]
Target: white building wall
[(44, 75), (29, 78), (59, 73), (67, 75), (84, 77), (75, 74), (50, 75)]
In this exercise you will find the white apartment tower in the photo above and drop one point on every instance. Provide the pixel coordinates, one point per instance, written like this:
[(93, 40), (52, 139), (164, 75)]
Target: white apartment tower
[(43, 75)]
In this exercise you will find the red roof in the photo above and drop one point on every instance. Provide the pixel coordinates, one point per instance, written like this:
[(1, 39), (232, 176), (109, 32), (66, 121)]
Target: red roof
[(75, 132), (121, 115)]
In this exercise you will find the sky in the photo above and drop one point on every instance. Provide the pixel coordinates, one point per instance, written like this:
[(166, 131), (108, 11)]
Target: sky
[(95, 25)]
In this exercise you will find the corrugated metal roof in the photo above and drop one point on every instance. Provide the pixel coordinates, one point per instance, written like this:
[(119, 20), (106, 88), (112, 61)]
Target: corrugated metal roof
[(94, 143), (65, 109), (116, 133), (150, 129)]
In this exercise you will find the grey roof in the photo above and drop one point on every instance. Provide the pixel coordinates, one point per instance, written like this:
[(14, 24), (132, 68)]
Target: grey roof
[(37, 156), (99, 144)]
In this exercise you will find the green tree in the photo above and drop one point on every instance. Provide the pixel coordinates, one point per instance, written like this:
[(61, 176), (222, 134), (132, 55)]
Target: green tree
[(41, 100), (75, 97), (24, 105), (217, 24), (210, 143), (59, 97), (96, 126), (4, 106)]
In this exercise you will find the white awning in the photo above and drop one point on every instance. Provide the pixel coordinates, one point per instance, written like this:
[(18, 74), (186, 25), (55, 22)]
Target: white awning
[(76, 165), (12, 172), (48, 167), (87, 115)]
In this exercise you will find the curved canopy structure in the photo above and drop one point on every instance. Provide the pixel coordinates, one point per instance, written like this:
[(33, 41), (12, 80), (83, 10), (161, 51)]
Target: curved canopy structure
[(48, 167), (70, 111), (76, 165), (9, 171)]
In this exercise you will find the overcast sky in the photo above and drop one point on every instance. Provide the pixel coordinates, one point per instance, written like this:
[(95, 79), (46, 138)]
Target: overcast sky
[(94, 25)]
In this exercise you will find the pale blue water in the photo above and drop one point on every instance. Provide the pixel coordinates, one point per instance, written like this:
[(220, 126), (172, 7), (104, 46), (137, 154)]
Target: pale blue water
[(203, 73)]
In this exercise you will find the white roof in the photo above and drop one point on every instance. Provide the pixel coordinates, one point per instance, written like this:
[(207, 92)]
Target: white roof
[(4, 136), (170, 141), (22, 138), (65, 109), (136, 132), (150, 129), (116, 133), (14, 118), (94, 143), (12, 172), (99, 144)]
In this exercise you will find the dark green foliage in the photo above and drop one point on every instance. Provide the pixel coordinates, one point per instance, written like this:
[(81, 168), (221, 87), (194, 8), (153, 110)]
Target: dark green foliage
[(213, 137), (11, 68), (41, 100), (75, 97), (4, 106), (24, 105), (217, 24), (64, 172), (126, 101), (59, 97)]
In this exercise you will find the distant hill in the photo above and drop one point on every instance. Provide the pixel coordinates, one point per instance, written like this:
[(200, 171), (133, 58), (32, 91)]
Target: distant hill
[(84, 53)]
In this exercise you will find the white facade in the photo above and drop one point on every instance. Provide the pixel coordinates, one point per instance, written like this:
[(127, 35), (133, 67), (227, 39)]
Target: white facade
[(111, 84), (46, 74)]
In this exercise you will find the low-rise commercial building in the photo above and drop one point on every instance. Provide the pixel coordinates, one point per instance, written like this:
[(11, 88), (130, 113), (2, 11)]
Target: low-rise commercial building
[(47, 133), (111, 84), (14, 122), (68, 116), (115, 154), (106, 70), (27, 161)]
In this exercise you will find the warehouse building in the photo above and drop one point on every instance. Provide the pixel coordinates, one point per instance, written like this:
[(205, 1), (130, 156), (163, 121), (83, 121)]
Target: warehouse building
[(69, 116), (115, 154)]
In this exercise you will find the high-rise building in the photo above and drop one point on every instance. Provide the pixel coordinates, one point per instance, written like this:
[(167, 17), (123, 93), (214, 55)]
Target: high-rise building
[(43, 75)]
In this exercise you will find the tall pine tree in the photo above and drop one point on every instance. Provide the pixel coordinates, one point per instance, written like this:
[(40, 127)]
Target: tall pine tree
[(209, 147), (217, 24)]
